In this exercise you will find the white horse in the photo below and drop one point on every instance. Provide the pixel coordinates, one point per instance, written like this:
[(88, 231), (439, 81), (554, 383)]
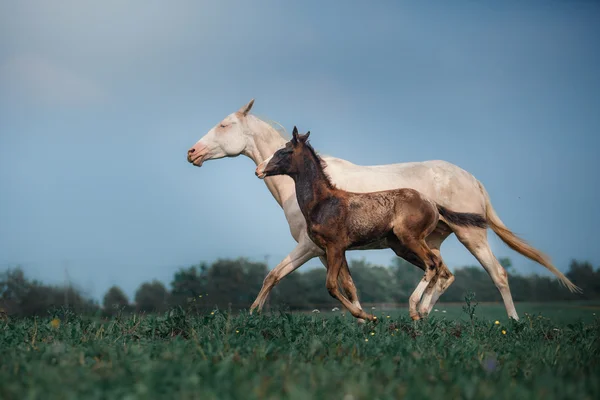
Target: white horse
[(444, 183)]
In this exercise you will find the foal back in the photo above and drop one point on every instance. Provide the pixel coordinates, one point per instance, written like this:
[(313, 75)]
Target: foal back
[(359, 219)]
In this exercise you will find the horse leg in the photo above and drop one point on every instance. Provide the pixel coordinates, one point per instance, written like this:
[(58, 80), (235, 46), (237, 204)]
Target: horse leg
[(303, 252), (336, 261), (347, 285), (475, 239)]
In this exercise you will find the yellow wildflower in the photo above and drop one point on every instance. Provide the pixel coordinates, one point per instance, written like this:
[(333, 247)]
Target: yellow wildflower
[(55, 323), (503, 332), (372, 333), (388, 316), (236, 331), (212, 313), (497, 323), (366, 340)]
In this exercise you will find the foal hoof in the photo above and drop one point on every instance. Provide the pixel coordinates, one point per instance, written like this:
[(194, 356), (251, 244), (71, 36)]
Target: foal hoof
[(372, 318)]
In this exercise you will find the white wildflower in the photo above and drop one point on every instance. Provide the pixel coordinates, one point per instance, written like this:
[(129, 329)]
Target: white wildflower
[(316, 311), (335, 309)]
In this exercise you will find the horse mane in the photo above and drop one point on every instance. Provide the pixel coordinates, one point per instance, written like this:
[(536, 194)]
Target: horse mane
[(276, 126)]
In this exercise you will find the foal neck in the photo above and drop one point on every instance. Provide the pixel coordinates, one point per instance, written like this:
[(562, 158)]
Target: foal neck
[(312, 183)]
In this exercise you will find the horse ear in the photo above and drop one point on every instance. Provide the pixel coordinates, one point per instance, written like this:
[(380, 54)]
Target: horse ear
[(295, 135), (305, 136), (246, 109)]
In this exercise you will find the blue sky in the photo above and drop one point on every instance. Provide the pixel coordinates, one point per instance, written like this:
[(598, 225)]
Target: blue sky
[(100, 102)]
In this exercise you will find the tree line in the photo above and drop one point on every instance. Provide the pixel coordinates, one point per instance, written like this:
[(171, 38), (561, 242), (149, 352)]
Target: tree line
[(234, 283)]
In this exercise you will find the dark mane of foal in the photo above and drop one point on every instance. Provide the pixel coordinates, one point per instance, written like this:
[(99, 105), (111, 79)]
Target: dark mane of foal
[(321, 164)]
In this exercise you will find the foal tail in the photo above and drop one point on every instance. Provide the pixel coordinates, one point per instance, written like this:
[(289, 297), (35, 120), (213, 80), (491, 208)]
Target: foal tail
[(519, 245), (462, 219)]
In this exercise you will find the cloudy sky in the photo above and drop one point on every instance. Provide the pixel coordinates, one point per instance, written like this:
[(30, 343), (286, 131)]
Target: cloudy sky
[(100, 101)]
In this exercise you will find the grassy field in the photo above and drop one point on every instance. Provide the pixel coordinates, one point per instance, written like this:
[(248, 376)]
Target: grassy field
[(306, 356)]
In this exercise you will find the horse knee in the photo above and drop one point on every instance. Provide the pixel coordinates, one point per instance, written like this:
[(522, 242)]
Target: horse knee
[(270, 280), (502, 273), (501, 282)]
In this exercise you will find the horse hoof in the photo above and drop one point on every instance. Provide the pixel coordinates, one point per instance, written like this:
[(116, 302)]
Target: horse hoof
[(252, 309)]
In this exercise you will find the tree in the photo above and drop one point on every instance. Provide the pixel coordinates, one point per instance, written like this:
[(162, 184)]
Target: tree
[(406, 277), (583, 275), (374, 283), (235, 282), (188, 285), (114, 300), (21, 297), (151, 297)]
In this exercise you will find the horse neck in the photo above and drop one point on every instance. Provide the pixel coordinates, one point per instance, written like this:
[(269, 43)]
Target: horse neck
[(262, 142), (312, 185)]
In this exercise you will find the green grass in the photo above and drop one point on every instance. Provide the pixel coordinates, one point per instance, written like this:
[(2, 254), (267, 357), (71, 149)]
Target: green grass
[(560, 312), (300, 356)]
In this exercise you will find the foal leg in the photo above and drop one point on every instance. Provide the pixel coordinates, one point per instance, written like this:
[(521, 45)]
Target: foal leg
[(303, 252), (407, 254), (336, 261), (443, 279), (475, 239), (443, 282), (431, 263), (347, 284), (438, 285)]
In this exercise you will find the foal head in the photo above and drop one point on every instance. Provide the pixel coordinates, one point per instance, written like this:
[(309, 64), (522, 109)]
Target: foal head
[(287, 160)]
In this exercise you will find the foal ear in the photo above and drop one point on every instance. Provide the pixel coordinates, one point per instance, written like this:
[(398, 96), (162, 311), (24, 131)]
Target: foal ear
[(246, 109), (304, 138)]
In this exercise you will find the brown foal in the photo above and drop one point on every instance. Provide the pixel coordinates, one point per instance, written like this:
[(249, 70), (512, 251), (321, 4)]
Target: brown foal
[(338, 220)]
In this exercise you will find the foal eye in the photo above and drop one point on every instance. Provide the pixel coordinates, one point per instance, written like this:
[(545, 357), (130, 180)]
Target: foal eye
[(223, 126)]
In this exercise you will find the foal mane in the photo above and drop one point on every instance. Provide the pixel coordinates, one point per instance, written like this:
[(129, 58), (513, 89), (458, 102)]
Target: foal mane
[(320, 163)]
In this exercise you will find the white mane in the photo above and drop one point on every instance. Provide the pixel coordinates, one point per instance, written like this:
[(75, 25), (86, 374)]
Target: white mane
[(276, 126), (280, 129)]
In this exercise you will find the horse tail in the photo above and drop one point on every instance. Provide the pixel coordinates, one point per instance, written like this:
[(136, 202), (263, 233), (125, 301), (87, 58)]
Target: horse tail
[(519, 245)]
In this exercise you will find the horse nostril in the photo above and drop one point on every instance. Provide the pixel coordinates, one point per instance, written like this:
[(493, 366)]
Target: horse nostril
[(191, 151)]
